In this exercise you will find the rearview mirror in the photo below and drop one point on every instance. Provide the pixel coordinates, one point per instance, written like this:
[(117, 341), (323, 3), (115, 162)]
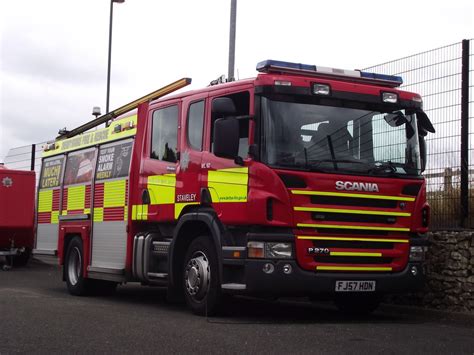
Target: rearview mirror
[(395, 119), (424, 123), (226, 137), (223, 106), (423, 154)]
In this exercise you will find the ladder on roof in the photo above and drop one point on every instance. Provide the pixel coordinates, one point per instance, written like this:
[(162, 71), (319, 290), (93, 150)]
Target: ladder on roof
[(165, 90)]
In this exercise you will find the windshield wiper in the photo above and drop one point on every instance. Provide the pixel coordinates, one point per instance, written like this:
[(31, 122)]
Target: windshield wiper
[(386, 167), (335, 161)]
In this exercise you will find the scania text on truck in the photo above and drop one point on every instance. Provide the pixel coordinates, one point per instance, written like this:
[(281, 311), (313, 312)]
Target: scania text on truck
[(303, 181)]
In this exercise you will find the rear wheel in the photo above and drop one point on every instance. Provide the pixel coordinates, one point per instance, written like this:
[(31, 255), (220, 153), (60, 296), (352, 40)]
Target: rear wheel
[(200, 277), (73, 266), (20, 259), (357, 304)]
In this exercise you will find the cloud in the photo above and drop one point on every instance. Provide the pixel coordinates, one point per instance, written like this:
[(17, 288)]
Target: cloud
[(53, 53)]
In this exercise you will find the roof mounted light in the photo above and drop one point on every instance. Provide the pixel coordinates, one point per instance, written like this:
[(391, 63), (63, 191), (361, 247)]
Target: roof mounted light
[(389, 97), (321, 89), (276, 66)]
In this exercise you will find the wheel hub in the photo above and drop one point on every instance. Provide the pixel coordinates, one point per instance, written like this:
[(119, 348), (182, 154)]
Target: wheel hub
[(74, 266), (197, 275)]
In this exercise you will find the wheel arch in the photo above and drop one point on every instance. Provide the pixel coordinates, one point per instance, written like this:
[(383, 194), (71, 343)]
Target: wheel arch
[(68, 237), (189, 227)]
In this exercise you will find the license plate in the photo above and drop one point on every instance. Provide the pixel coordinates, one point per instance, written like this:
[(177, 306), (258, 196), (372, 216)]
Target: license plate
[(355, 286)]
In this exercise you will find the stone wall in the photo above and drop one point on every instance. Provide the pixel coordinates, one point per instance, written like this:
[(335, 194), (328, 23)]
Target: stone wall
[(450, 273)]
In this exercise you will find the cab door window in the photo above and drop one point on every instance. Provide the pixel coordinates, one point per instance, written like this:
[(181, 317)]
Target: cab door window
[(195, 125), (164, 141), (241, 102)]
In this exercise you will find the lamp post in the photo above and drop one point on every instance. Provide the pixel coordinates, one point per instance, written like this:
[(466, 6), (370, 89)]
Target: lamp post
[(110, 50), (233, 16)]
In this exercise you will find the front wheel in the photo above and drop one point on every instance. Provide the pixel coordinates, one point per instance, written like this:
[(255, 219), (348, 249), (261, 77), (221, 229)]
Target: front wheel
[(73, 266), (200, 277)]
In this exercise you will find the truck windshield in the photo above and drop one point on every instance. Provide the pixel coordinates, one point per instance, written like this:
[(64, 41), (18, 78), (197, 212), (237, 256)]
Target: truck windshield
[(338, 136)]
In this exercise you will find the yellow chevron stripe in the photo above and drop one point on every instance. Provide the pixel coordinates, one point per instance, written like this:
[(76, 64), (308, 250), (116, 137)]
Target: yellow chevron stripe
[(353, 268), (339, 210), (162, 189), (344, 194), (307, 237), (350, 253), (334, 226), (76, 197), (114, 193), (45, 201)]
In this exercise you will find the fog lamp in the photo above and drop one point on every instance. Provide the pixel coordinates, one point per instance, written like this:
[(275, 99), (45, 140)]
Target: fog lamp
[(414, 270), (287, 269), (268, 268)]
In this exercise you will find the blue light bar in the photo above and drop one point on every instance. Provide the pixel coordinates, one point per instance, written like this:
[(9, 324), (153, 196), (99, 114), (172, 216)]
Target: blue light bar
[(267, 65), (384, 77), (277, 66)]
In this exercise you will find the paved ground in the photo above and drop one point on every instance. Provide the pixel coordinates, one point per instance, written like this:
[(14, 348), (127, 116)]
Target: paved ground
[(39, 316)]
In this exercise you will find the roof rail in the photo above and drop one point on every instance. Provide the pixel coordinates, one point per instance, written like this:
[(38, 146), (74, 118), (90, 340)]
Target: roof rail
[(165, 90)]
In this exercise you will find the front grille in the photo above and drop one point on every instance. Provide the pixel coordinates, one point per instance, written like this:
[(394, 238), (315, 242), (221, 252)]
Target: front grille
[(352, 201), (351, 231), (352, 244), (352, 260), (347, 217)]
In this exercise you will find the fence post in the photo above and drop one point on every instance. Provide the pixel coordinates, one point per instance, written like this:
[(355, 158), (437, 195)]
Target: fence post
[(33, 156), (465, 134)]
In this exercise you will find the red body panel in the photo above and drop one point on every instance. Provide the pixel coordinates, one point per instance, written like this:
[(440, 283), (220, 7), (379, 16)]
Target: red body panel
[(17, 203)]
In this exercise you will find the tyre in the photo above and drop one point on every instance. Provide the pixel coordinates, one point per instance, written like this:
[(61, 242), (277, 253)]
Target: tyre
[(73, 266), (200, 277), (22, 259), (19, 260), (357, 304)]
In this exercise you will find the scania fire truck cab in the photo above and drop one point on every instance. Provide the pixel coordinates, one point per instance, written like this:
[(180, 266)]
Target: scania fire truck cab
[(303, 181)]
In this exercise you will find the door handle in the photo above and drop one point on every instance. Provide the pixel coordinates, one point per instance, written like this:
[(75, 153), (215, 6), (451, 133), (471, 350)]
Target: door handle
[(145, 197)]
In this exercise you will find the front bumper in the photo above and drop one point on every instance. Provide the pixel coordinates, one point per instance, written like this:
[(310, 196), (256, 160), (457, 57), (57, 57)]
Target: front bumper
[(303, 283)]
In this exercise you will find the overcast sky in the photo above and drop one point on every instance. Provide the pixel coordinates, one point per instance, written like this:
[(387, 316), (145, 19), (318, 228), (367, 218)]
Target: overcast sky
[(53, 53)]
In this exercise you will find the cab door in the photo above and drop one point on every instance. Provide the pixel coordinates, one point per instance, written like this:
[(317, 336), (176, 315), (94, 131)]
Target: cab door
[(157, 181), (188, 174), (224, 179)]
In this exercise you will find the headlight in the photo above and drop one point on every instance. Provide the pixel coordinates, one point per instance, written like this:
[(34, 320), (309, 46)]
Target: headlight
[(417, 253), (278, 250), (270, 250)]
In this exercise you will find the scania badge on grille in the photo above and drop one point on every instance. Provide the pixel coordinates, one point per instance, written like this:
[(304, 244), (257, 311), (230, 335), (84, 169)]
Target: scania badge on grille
[(318, 251), (357, 186), (7, 182)]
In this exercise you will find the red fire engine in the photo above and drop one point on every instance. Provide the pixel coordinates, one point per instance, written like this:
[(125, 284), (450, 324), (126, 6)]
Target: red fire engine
[(17, 216), (304, 181)]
